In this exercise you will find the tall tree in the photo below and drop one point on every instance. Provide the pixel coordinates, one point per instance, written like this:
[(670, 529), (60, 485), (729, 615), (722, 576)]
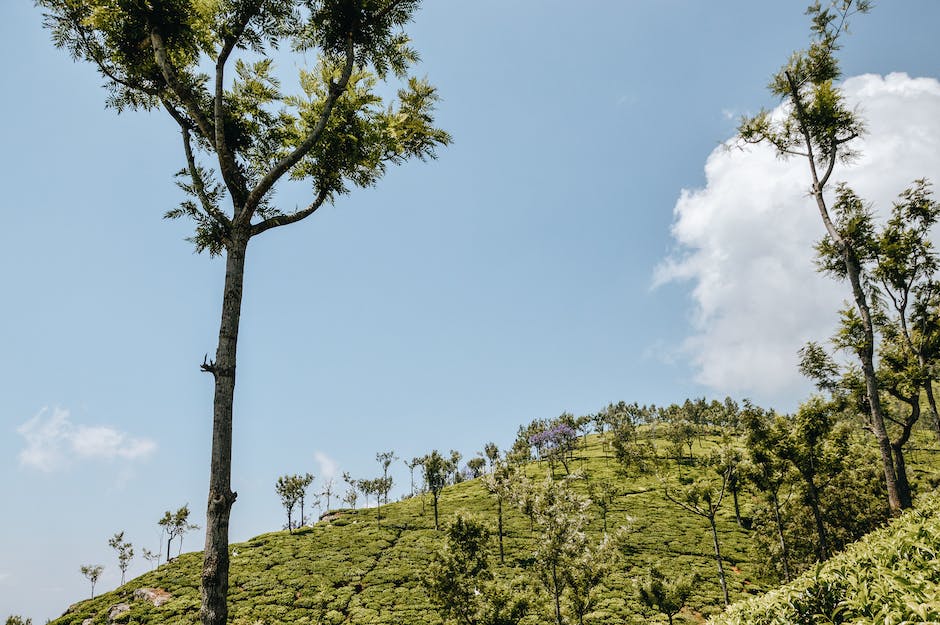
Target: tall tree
[(125, 552), (906, 269), (476, 466), (385, 459), (175, 524), (587, 573), (763, 439), (328, 485), (567, 565), (288, 489), (703, 498), (179, 55), (352, 489), (303, 483), (436, 471), (602, 495), (811, 448), (499, 483), (92, 572), (899, 267), (819, 127), (412, 464), (454, 466), (491, 452)]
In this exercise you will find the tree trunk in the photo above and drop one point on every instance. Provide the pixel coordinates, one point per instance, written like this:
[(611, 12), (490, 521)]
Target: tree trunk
[(897, 447), (737, 507), (932, 402), (721, 569), (168, 554), (822, 550), (853, 270), (557, 592), (214, 587), (900, 468), (866, 355), (499, 504), (436, 527), (784, 555)]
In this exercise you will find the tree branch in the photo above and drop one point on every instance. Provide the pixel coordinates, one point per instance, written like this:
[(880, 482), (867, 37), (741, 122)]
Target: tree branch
[(829, 167), (102, 67), (226, 158), (283, 220), (264, 185), (388, 9), (182, 92), (817, 185), (210, 209), (198, 183)]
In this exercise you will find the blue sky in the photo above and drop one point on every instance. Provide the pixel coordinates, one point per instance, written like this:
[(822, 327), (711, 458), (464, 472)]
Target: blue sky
[(511, 279)]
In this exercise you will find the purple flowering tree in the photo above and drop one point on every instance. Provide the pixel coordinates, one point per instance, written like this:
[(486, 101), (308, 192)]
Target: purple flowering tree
[(556, 443)]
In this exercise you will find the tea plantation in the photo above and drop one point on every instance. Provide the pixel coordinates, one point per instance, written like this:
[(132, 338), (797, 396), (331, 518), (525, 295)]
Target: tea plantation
[(353, 567)]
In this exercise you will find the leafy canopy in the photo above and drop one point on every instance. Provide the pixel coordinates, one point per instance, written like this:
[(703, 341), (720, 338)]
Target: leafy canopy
[(335, 132)]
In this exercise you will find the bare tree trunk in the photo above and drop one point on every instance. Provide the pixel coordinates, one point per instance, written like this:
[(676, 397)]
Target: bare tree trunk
[(557, 592), (784, 555), (737, 507), (721, 569), (499, 503), (897, 446), (866, 355), (822, 550), (932, 402), (900, 468), (215, 566)]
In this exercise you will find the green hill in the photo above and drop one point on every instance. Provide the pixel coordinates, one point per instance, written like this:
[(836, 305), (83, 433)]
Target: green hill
[(354, 568)]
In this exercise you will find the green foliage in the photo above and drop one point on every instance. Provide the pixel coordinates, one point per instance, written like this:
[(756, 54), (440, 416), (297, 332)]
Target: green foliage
[(175, 524), (460, 580), (92, 572), (292, 489), (817, 123), (665, 595), (436, 471), (125, 552), (338, 133), (15, 619), (892, 576)]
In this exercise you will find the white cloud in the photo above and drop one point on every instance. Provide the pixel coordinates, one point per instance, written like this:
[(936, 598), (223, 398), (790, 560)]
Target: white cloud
[(745, 241), (52, 441), (328, 466)]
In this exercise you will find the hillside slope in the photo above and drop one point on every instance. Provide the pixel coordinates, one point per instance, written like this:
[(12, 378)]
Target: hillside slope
[(890, 577), (354, 569)]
